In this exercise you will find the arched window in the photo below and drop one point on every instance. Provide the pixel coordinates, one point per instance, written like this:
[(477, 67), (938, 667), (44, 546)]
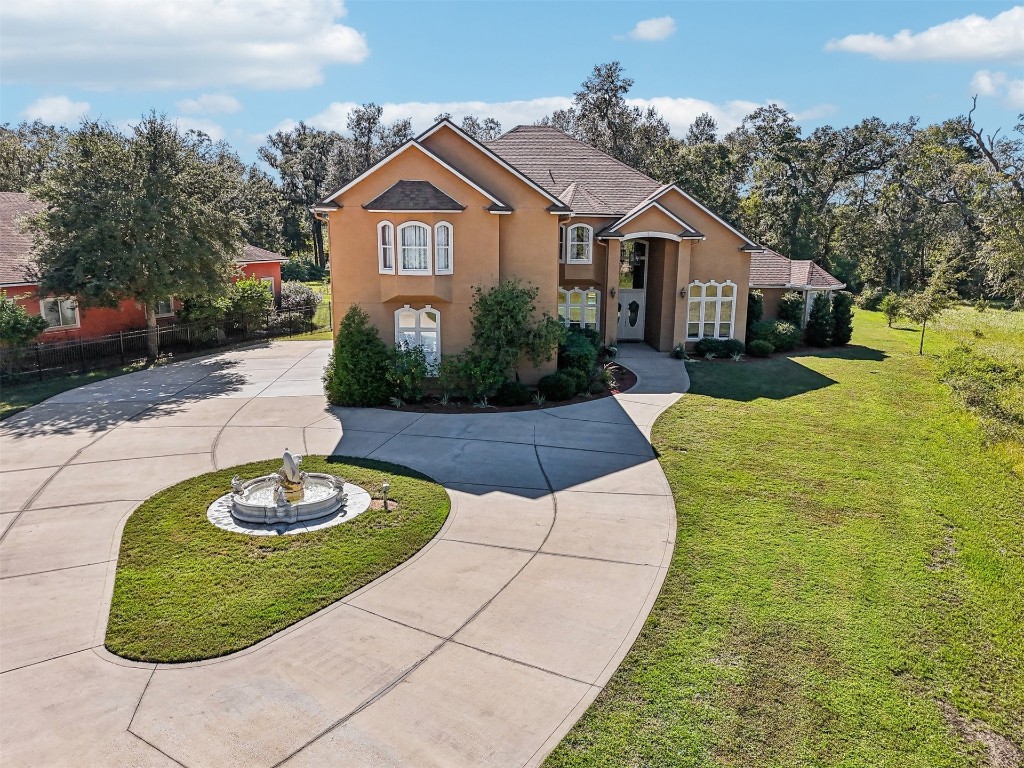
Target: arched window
[(414, 248), (579, 308), (386, 248), (710, 309), (443, 248), (420, 328), (578, 244)]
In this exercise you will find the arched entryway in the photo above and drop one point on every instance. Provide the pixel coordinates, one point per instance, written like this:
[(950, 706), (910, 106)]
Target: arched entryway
[(646, 290)]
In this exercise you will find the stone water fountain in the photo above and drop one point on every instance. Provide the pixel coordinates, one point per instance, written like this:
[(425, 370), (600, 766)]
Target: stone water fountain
[(288, 501)]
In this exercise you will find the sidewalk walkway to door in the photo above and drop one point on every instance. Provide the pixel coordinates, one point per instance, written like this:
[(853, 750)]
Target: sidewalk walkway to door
[(481, 650)]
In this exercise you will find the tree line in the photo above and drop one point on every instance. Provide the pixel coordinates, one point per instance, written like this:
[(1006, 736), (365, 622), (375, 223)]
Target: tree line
[(884, 205)]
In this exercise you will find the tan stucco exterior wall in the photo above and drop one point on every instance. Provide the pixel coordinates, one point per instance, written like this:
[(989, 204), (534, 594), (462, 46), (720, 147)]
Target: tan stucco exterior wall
[(771, 301)]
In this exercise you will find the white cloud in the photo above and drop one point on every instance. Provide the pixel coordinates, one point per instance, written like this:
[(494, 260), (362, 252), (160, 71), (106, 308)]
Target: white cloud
[(508, 113), (270, 44), (58, 110), (972, 37), (999, 85), (210, 128), (679, 112), (211, 104), (654, 29)]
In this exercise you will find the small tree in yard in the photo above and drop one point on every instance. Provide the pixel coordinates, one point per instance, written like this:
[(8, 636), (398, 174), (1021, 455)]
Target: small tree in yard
[(927, 305), (17, 326), (842, 318), (819, 322), (358, 371), (143, 217), (892, 307), (506, 329)]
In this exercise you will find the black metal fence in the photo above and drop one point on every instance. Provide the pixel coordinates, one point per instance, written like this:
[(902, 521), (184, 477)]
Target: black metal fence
[(53, 359)]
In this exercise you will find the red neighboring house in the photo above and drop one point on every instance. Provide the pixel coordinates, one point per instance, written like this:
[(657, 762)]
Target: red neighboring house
[(66, 318)]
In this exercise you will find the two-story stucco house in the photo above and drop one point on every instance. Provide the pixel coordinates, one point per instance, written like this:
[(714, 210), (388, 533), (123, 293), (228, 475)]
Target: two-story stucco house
[(608, 247)]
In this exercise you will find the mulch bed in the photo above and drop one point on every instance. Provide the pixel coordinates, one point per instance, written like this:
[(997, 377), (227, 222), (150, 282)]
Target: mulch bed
[(624, 378)]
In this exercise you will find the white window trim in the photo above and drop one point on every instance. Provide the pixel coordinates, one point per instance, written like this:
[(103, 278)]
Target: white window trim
[(419, 328), (716, 302), (380, 249), (269, 282), (567, 294), (590, 244), (170, 303), (78, 315), (398, 249), (451, 248)]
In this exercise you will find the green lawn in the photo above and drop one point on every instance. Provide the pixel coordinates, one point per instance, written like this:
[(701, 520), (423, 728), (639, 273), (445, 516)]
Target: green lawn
[(847, 587), (186, 590)]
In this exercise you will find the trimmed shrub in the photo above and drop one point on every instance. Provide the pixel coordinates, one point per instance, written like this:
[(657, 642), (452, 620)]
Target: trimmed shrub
[(590, 334), (819, 322), (357, 372), (17, 326), (580, 379), (720, 347), (842, 318), (249, 298), (760, 348), (871, 296), (781, 335), (755, 307), (469, 375), (577, 352), (557, 387), (407, 371), (791, 308), (506, 329), (298, 296), (512, 393)]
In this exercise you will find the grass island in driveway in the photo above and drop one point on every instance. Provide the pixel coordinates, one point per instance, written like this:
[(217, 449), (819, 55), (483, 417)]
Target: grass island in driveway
[(186, 590), (848, 580)]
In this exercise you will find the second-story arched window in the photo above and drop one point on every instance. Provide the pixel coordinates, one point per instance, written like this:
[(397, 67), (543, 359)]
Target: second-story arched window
[(386, 248), (414, 248), (443, 248), (579, 244)]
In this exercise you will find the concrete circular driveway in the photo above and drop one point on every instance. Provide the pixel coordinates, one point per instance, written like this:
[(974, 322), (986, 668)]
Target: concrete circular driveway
[(482, 650)]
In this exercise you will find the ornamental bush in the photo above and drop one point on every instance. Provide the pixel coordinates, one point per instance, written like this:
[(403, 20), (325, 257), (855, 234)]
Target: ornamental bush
[(249, 298), (302, 268), (580, 379), (407, 370), (819, 322), (295, 295), (357, 372), (755, 307), (842, 318), (512, 393), (871, 297), (577, 353), (781, 335), (720, 347), (791, 308), (892, 308), (760, 348), (17, 326), (557, 386)]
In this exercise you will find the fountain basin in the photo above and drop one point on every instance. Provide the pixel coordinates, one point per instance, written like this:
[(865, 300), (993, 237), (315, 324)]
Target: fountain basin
[(257, 501)]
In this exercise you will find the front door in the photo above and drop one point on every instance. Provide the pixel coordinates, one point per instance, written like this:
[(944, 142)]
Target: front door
[(632, 292)]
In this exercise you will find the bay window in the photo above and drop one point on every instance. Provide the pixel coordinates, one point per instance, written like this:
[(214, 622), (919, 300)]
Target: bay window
[(414, 249), (710, 310), (443, 248), (386, 248)]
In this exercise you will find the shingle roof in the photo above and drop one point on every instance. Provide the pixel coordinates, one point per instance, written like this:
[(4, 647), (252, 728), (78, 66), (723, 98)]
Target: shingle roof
[(413, 196), (771, 269), (251, 254), (554, 161), (15, 241), (16, 244)]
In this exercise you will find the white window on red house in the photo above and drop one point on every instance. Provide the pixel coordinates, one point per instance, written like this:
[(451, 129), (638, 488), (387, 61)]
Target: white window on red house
[(60, 313), (165, 308)]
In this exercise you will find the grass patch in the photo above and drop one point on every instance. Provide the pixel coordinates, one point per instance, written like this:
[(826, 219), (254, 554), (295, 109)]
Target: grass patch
[(848, 572), (15, 398), (186, 590)]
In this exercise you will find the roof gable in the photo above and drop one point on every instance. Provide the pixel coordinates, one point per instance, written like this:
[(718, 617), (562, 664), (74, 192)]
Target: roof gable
[(769, 269), (414, 145), (689, 201), (414, 196)]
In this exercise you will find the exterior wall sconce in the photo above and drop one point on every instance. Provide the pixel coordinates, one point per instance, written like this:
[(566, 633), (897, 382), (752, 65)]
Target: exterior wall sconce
[(611, 291), (682, 293)]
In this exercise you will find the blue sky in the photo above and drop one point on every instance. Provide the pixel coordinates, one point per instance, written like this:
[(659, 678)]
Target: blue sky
[(241, 69)]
